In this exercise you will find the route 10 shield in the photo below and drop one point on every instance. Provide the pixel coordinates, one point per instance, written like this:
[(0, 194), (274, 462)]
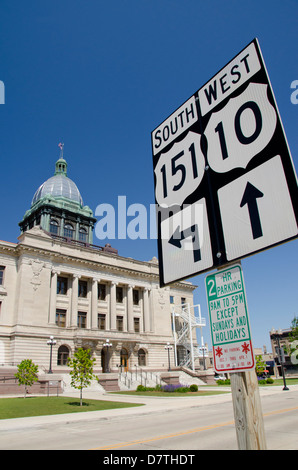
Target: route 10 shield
[(225, 184)]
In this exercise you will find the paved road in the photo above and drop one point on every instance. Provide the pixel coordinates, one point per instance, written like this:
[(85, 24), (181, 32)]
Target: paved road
[(163, 424)]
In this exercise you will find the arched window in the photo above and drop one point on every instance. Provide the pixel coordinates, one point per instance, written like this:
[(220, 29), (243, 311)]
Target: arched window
[(68, 230), (63, 355), (141, 357), (54, 226), (82, 234)]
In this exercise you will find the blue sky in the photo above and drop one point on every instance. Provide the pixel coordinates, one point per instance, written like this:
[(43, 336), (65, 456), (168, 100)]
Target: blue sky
[(100, 76)]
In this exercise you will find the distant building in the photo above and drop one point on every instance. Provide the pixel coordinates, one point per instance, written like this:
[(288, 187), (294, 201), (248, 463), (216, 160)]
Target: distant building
[(54, 281), (280, 340)]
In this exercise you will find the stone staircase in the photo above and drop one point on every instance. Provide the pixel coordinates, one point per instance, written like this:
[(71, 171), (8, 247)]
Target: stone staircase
[(109, 382)]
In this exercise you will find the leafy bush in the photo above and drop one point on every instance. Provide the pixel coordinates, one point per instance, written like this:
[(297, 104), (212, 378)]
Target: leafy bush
[(223, 382), (141, 388), (269, 380), (193, 388), (262, 382)]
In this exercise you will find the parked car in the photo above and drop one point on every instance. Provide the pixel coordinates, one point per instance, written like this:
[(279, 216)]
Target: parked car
[(219, 377)]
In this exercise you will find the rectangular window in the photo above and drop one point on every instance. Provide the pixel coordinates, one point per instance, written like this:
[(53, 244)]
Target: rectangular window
[(101, 292), (101, 321), (119, 323), (136, 322), (171, 299), (61, 317), (2, 269), (82, 317), (62, 285), (183, 300), (119, 295), (135, 297), (83, 287)]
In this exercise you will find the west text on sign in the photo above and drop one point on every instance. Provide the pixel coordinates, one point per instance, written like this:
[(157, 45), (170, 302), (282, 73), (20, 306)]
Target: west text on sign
[(231, 77)]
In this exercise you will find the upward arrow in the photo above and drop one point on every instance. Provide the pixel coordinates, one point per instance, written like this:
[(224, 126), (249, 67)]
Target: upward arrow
[(250, 196), (180, 235)]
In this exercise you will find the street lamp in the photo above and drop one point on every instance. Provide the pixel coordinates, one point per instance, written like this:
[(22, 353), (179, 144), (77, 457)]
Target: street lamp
[(169, 347), (51, 342), (107, 345), (280, 353)]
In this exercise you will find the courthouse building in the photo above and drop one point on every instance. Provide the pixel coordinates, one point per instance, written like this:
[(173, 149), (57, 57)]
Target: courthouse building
[(56, 282)]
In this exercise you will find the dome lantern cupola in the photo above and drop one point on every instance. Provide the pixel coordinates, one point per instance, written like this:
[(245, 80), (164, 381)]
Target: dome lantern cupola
[(61, 167)]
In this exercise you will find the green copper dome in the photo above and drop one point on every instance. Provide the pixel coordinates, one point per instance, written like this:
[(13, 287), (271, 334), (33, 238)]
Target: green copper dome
[(59, 185), (57, 207)]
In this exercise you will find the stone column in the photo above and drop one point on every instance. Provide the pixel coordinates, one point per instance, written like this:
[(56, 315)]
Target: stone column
[(53, 294), (62, 225), (146, 310), (113, 305), (130, 323), (74, 300), (77, 227), (94, 300)]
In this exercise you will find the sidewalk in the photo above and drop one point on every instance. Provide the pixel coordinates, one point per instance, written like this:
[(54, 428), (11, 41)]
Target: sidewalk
[(151, 405)]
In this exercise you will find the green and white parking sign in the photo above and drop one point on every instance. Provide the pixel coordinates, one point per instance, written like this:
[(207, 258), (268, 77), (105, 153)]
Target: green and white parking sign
[(229, 320)]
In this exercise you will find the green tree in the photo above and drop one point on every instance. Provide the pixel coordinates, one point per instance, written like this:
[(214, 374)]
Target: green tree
[(293, 340), (293, 336), (82, 370), (260, 365), (27, 374)]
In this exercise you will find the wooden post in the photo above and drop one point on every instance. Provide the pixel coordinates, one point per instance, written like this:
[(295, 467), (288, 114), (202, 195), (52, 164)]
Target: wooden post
[(248, 411)]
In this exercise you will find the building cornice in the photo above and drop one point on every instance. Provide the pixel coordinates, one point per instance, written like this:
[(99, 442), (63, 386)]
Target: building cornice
[(55, 251)]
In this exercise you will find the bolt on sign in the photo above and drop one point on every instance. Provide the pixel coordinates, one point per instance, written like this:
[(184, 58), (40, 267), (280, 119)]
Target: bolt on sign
[(229, 320), (225, 184)]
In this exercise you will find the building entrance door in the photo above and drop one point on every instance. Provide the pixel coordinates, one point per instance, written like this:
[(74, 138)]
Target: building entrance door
[(124, 360)]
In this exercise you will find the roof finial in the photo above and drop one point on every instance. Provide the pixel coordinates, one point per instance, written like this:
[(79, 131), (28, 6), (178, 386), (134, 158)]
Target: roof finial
[(61, 164), (61, 149)]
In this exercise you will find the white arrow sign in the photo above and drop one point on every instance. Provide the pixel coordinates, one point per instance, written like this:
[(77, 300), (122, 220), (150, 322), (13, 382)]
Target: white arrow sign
[(256, 210)]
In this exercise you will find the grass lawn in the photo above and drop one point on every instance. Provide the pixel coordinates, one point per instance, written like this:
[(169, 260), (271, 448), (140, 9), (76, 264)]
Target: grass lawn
[(39, 406), (289, 382)]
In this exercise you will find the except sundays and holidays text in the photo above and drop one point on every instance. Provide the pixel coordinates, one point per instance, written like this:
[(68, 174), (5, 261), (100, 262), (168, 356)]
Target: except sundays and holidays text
[(228, 324)]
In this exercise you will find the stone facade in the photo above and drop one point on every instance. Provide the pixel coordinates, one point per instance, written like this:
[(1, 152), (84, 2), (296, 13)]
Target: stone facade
[(83, 295), (55, 282)]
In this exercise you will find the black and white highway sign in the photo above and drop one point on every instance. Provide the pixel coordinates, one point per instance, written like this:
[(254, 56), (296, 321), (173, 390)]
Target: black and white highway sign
[(225, 184)]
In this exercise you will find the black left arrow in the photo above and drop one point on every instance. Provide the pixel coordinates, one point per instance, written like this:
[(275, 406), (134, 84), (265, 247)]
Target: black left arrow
[(180, 235), (250, 196)]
